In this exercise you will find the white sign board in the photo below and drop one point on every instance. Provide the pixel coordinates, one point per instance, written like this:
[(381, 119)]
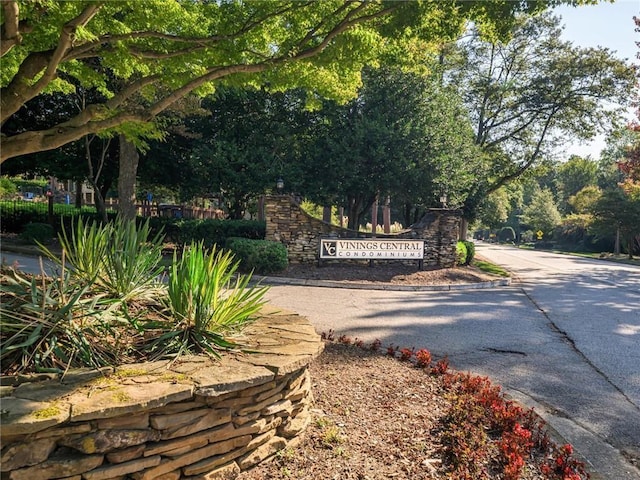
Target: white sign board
[(371, 249)]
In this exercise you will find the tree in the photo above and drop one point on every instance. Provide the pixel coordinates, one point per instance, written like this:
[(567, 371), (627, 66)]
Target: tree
[(144, 56), (92, 159), (583, 201), (533, 93), (574, 175), (609, 174), (404, 137), (235, 149), (542, 213), (618, 211), (494, 210)]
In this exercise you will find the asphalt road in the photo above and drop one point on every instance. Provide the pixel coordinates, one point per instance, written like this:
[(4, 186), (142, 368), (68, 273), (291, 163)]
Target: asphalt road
[(564, 338)]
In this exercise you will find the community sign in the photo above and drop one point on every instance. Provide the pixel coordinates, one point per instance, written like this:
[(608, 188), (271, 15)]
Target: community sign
[(371, 248)]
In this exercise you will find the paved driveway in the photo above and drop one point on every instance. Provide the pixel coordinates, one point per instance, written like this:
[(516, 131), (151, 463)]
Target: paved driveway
[(565, 341)]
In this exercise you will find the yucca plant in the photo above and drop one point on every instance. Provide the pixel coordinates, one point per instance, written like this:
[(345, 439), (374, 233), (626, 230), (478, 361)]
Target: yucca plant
[(119, 258), (132, 263), (84, 250), (205, 302), (49, 324)]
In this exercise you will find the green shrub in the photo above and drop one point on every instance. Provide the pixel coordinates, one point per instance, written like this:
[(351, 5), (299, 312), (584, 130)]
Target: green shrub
[(49, 324), (37, 233), (260, 256), (119, 258), (105, 305), (471, 252), (461, 253), (8, 189), (211, 232)]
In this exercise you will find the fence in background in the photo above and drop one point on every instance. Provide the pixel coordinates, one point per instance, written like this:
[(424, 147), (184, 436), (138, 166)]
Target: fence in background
[(17, 212)]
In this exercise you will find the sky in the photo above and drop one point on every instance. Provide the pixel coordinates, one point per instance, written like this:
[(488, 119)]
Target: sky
[(607, 25)]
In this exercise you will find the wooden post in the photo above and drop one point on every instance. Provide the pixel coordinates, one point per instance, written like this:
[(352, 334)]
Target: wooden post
[(386, 215), (374, 218), (374, 223), (50, 208)]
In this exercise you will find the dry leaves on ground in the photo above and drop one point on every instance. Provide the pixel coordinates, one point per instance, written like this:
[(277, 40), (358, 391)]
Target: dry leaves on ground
[(393, 273), (374, 417)]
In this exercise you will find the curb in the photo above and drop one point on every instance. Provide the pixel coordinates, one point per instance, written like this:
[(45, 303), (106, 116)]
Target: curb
[(387, 286)]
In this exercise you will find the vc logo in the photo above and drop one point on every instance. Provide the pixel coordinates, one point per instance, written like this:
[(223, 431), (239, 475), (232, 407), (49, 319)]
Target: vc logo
[(329, 249)]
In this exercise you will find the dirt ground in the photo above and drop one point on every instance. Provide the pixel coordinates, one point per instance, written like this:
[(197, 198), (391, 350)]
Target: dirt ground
[(390, 273), (374, 417)]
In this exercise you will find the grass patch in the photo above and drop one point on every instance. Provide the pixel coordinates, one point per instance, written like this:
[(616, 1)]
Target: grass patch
[(490, 268)]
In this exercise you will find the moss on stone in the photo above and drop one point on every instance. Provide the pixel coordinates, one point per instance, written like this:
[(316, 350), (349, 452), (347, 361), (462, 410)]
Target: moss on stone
[(50, 411), (131, 372), (174, 377), (120, 396)]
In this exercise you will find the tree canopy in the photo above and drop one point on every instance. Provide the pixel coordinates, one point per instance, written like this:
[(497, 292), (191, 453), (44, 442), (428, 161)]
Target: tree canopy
[(531, 95), (143, 56), (404, 136)]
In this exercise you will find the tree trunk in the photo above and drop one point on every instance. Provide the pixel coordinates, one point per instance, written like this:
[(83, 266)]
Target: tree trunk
[(127, 179), (78, 194), (326, 213), (98, 198), (408, 208), (237, 208), (464, 229), (374, 217), (386, 215), (355, 204)]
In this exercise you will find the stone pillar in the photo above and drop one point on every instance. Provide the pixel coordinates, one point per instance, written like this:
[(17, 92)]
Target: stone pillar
[(278, 217), (439, 229)]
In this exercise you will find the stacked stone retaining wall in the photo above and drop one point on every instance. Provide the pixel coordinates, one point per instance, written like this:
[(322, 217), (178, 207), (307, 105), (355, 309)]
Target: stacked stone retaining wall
[(287, 223), (195, 418)]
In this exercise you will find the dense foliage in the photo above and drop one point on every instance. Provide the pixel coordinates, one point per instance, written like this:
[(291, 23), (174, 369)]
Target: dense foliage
[(259, 256), (145, 56), (16, 215)]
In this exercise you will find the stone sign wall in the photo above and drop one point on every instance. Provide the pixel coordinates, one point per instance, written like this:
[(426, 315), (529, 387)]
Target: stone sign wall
[(301, 233), (194, 418)]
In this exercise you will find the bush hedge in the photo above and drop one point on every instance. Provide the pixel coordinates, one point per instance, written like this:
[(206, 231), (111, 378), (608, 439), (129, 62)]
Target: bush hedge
[(211, 232), (260, 256), (37, 233), (507, 234), (471, 252), (16, 214), (461, 253)]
